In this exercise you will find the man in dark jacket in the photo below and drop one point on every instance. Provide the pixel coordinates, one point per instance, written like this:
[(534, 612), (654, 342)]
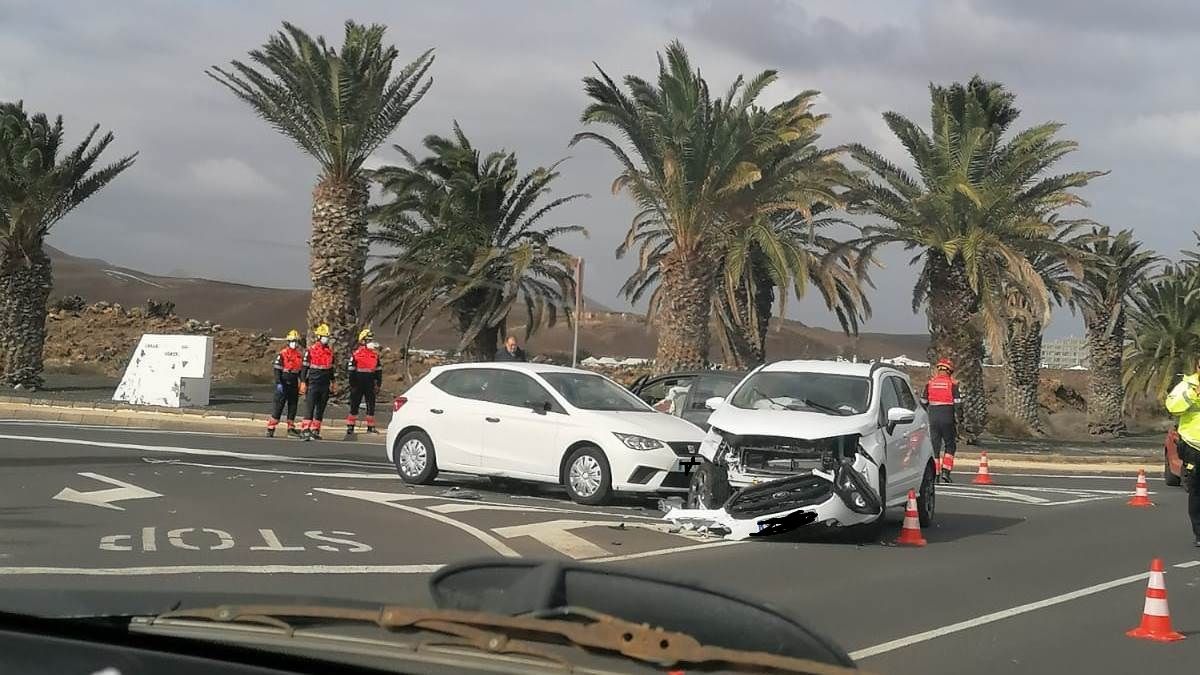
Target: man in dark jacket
[(511, 351)]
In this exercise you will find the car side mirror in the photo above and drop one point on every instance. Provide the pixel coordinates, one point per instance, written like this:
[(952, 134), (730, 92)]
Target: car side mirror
[(899, 416), (714, 402)]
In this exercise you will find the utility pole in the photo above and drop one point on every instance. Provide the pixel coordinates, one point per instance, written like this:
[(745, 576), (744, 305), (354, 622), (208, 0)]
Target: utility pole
[(578, 314)]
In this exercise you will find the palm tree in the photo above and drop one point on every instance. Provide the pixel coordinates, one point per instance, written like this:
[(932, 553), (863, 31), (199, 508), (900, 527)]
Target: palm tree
[(1164, 318), (689, 156), (38, 187), (976, 203), (1114, 269), (338, 107), (463, 232), (1058, 262)]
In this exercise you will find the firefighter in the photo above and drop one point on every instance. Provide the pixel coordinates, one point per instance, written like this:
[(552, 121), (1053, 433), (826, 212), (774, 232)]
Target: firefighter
[(366, 376), (316, 383), (287, 384), (940, 398)]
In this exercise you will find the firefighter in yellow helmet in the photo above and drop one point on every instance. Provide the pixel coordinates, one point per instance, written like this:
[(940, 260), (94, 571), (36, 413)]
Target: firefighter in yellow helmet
[(316, 383), (366, 376), (287, 384)]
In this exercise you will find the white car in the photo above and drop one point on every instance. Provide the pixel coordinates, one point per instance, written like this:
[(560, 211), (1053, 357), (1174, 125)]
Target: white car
[(540, 423), (800, 442)]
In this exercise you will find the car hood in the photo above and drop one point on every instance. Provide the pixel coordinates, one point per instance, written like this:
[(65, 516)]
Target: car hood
[(657, 425), (802, 424)]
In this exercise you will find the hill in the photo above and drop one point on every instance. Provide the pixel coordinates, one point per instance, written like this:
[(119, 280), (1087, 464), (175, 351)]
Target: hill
[(602, 332)]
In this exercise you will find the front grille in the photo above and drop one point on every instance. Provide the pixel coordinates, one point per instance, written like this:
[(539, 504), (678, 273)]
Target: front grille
[(684, 448), (677, 479), (778, 495)]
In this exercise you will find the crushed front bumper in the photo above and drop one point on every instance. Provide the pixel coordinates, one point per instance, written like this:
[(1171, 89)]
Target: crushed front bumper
[(838, 498)]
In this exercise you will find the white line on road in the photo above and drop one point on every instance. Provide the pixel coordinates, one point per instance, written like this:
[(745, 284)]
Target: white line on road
[(1190, 563), (224, 569), (389, 499), (286, 472), (664, 551), (993, 617), (1075, 476)]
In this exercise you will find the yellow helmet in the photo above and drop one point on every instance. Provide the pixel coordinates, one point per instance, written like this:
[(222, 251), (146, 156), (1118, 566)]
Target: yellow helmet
[(293, 335), (322, 330), (364, 335)]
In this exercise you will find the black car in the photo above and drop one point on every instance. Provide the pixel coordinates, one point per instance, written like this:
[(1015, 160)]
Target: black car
[(683, 394)]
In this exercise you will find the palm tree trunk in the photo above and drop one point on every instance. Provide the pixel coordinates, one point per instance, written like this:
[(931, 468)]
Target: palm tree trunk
[(1022, 366), (684, 312), (954, 334), (1106, 391), (743, 336), (26, 288), (338, 258)]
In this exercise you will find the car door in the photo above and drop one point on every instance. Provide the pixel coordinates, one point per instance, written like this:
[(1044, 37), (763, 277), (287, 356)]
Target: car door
[(902, 456), (517, 440), (454, 420)]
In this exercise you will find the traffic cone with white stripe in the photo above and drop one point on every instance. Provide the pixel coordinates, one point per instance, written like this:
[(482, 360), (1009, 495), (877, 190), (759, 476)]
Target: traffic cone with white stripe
[(910, 531), (982, 476), (1156, 618), (1141, 491)]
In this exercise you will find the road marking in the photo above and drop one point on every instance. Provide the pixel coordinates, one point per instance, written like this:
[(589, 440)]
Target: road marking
[(272, 542), (476, 506), (557, 535), (286, 472), (1190, 563), (223, 569), (993, 617), (105, 498), (664, 551), (1073, 476), (102, 427), (389, 499), (224, 539)]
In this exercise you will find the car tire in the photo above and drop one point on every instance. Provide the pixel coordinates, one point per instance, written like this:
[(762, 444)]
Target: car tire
[(415, 459), (1169, 478), (873, 531), (587, 476), (708, 487), (927, 497)]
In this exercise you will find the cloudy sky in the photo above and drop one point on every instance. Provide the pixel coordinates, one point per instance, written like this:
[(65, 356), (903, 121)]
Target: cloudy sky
[(216, 193)]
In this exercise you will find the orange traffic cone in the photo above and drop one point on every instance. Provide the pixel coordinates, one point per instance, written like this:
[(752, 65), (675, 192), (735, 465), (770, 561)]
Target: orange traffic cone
[(982, 477), (1141, 491), (1156, 618), (910, 532)]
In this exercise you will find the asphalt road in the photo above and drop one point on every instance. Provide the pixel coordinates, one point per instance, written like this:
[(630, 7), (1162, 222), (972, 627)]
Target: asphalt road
[(1037, 574)]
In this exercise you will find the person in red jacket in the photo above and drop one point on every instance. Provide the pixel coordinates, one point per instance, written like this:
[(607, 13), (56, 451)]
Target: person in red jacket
[(316, 383), (287, 384), (940, 397), (366, 376)]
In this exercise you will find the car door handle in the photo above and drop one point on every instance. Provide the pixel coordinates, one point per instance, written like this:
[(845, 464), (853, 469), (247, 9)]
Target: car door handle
[(436, 411), (492, 419)]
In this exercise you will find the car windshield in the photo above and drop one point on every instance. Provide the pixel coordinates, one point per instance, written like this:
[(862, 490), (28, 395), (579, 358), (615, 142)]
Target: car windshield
[(592, 392), (823, 392)]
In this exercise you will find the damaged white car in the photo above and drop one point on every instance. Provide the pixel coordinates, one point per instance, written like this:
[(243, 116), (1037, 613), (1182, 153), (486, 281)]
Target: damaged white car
[(811, 442)]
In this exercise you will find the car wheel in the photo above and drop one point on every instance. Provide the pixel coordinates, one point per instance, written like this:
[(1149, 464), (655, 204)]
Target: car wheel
[(414, 458), (709, 486), (1169, 478), (587, 477), (926, 497)]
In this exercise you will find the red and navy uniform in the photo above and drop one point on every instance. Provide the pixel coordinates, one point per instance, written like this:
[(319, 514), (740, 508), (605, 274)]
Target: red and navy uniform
[(941, 396), (366, 376), (317, 372), (287, 373)]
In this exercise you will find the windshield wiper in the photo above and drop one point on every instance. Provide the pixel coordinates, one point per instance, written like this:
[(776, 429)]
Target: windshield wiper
[(500, 634), (821, 406)]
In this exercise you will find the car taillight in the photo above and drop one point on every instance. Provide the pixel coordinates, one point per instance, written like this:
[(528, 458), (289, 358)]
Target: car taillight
[(398, 403)]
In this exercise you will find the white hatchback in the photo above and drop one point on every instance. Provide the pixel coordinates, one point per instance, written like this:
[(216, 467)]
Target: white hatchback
[(541, 423)]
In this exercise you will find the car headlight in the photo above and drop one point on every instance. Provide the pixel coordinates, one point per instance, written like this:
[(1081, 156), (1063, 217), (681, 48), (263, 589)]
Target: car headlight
[(636, 442), (854, 491)]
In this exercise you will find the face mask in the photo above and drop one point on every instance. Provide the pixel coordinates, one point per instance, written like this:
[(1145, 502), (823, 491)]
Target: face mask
[(293, 344), (373, 345), (324, 340)]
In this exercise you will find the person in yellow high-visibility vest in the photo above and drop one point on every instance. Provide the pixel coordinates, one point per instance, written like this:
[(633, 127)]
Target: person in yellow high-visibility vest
[(1184, 403)]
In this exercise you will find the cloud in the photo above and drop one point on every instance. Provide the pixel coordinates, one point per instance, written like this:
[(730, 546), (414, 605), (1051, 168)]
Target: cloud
[(230, 177), (1175, 133)]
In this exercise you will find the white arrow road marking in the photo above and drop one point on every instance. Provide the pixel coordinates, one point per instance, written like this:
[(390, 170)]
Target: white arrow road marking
[(986, 493), (104, 498), (390, 499), (234, 569)]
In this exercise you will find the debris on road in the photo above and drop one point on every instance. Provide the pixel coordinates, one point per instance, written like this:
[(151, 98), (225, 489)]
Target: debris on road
[(459, 493)]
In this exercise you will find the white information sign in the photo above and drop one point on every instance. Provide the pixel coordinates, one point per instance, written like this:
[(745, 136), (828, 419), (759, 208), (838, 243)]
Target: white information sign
[(174, 371)]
